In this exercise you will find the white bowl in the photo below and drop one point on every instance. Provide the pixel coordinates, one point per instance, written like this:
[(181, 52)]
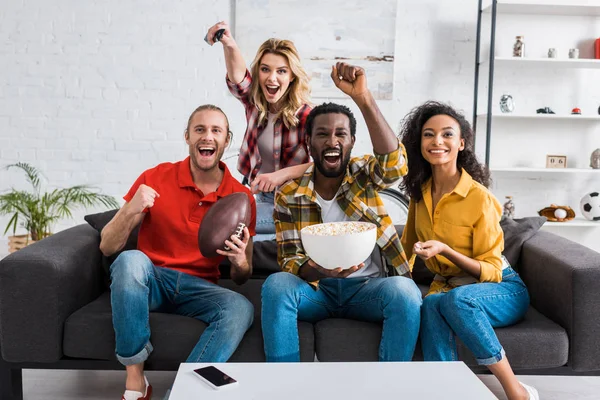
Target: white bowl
[(351, 244)]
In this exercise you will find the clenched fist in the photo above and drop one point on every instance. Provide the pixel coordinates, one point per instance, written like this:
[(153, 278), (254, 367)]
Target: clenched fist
[(144, 198)]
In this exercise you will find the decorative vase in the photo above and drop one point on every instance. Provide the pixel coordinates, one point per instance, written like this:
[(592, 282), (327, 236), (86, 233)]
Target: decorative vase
[(507, 104), (509, 208), (519, 47)]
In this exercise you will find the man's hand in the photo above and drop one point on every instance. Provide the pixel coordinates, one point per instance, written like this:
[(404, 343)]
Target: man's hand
[(350, 79), (227, 39), (428, 249), (335, 273), (237, 250), (143, 198), (268, 182)]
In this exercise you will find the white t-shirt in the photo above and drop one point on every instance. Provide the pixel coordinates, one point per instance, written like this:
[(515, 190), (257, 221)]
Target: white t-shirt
[(332, 212)]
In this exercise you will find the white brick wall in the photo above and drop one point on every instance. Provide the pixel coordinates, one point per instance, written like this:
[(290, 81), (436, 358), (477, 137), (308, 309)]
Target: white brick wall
[(97, 91)]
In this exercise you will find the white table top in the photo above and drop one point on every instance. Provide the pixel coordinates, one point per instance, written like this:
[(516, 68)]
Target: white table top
[(332, 381)]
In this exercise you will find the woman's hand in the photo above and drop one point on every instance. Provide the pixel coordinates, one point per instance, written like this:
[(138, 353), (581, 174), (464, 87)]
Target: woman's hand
[(428, 249), (227, 39), (268, 182)]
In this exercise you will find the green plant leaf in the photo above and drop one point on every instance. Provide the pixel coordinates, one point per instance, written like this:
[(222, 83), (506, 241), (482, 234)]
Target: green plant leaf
[(37, 212)]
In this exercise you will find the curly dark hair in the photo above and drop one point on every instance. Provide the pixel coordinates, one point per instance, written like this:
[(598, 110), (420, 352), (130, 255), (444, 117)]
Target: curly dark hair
[(419, 170), (329, 108)]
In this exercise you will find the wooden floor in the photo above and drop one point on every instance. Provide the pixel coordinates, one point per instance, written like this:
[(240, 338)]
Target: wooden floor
[(108, 385)]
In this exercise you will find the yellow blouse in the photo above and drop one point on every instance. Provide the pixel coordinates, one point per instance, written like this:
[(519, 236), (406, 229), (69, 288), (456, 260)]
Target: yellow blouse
[(466, 219)]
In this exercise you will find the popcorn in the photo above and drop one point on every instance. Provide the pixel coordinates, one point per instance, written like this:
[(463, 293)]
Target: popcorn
[(338, 228)]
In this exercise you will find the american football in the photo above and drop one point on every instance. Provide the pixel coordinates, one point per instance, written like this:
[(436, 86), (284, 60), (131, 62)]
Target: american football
[(226, 217)]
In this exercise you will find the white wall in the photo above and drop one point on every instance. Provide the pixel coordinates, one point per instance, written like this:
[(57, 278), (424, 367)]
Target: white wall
[(97, 91)]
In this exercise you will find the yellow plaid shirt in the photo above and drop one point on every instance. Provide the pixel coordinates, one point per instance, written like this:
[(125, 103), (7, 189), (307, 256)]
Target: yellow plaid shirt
[(296, 207)]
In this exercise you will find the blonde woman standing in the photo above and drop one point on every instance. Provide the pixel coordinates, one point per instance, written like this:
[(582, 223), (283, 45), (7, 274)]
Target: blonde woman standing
[(275, 93)]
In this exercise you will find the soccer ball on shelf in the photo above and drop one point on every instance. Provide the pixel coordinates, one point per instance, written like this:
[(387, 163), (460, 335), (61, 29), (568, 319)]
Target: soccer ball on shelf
[(590, 206)]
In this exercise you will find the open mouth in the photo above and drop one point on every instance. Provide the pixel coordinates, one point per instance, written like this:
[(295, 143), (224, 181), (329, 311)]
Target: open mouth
[(332, 158), (206, 151), (272, 90)]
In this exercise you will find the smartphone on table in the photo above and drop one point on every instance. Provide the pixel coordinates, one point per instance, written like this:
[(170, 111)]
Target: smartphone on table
[(214, 377)]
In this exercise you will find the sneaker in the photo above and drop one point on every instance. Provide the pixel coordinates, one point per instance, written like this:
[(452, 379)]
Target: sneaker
[(533, 393), (134, 395)]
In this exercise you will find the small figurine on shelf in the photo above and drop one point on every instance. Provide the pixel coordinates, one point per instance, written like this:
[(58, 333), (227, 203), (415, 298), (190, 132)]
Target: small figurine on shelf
[(576, 111), (552, 52), (595, 159), (519, 47), (545, 110), (507, 105), (573, 53), (509, 208)]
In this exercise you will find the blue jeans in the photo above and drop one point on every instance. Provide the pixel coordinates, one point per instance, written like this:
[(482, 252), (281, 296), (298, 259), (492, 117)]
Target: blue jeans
[(286, 298), (265, 226), (139, 287), (471, 312)]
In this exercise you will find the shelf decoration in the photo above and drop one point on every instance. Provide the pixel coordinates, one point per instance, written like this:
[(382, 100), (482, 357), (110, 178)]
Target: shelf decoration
[(507, 104), (590, 206), (553, 161), (509, 208), (595, 159), (556, 213)]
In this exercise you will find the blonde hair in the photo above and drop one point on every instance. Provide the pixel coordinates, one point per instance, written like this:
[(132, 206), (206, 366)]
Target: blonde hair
[(298, 92)]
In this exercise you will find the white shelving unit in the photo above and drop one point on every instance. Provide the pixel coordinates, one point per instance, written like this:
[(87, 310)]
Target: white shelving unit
[(546, 170), (574, 223), (573, 8), (526, 121), (545, 62), (541, 117)]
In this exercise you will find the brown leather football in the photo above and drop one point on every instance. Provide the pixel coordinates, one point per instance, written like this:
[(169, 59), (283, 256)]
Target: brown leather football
[(226, 217)]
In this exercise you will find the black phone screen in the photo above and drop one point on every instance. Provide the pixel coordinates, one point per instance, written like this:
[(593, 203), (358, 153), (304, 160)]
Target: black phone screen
[(215, 376)]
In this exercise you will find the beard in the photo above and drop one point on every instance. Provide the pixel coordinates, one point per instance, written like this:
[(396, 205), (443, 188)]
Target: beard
[(332, 172)]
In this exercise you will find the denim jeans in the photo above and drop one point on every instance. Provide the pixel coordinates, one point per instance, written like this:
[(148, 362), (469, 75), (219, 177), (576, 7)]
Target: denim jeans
[(286, 298), (265, 226), (139, 287), (471, 312)]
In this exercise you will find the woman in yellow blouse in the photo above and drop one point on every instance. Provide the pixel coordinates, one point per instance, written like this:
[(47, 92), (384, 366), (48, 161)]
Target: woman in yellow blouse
[(454, 225)]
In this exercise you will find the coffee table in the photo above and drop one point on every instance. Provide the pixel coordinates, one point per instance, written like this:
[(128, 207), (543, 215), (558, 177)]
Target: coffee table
[(347, 381)]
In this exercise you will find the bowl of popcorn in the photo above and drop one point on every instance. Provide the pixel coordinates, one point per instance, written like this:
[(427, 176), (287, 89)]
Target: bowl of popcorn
[(339, 244)]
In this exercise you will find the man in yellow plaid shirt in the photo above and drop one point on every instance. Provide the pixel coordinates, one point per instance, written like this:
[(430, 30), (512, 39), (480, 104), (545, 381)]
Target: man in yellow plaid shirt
[(338, 188)]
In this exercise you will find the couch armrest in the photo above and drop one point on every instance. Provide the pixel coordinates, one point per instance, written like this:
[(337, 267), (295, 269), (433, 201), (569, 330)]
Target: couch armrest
[(562, 277), (40, 286)]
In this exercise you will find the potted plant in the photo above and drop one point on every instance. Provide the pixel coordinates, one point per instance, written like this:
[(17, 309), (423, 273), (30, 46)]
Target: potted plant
[(37, 211)]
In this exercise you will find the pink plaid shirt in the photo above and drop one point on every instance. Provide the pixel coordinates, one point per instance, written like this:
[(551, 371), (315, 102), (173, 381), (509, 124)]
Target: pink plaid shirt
[(289, 146)]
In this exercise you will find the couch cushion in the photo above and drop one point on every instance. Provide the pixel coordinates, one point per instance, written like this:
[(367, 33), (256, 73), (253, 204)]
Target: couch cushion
[(534, 342), (264, 260), (89, 333), (517, 232), (98, 221)]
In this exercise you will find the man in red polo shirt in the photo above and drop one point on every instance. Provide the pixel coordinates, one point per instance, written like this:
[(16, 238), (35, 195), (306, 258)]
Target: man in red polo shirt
[(168, 273)]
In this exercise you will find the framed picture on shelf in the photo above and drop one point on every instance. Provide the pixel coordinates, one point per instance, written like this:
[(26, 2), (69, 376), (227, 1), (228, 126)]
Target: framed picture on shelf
[(553, 161)]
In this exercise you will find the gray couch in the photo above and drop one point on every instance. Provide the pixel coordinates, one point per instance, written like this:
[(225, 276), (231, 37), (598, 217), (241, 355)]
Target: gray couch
[(55, 312)]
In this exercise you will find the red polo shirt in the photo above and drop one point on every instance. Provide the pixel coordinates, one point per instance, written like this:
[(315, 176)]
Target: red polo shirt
[(169, 233)]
